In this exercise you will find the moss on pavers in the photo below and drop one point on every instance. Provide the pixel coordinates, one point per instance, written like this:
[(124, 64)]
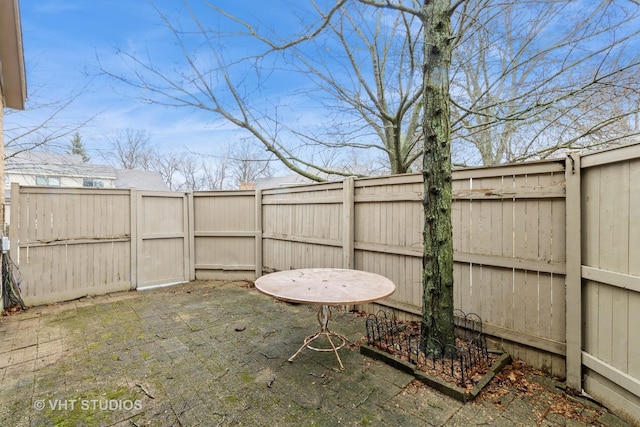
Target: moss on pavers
[(178, 350), (89, 407)]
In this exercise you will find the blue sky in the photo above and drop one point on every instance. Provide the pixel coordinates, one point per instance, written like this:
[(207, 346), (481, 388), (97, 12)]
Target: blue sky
[(65, 39)]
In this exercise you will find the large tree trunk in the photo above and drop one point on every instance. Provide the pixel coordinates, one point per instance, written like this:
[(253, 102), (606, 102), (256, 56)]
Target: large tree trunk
[(437, 305)]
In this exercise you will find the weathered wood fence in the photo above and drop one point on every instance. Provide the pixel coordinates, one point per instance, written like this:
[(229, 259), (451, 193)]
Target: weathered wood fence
[(546, 253), (603, 277)]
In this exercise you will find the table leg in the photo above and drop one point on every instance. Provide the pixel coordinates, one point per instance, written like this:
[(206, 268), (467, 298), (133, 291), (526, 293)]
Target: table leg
[(324, 315)]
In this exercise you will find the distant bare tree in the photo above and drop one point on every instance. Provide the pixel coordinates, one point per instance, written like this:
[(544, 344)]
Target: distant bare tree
[(215, 174), (246, 163), (190, 171), (130, 149), (168, 166)]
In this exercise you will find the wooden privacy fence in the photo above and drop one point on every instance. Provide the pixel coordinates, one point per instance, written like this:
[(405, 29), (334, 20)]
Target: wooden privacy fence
[(71, 242), (546, 253), (509, 245), (603, 277), (508, 227)]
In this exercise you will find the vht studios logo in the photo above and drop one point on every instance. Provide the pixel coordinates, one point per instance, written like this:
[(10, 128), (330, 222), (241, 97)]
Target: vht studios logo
[(88, 405)]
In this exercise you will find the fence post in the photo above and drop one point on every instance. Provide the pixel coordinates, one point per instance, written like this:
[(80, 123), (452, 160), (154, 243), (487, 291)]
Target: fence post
[(191, 217), (348, 225), (187, 259), (258, 232), (15, 219), (133, 235), (14, 232), (573, 248)]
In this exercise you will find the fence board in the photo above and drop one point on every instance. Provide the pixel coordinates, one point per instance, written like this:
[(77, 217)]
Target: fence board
[(614, 218), (633, 350), (634, 217)]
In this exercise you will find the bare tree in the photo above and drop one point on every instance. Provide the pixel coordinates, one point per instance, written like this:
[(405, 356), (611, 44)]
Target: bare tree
[(189, 169), (185, 171), (188, 172), (530, 79), (238, 165), (377, 108), (437, 272), (437, 269), (215, 174), (246, 163), (168, 166), (130, 149), (524, 80)]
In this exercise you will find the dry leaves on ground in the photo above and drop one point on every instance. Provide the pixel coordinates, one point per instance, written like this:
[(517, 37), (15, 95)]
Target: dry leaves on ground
[(527, 382)]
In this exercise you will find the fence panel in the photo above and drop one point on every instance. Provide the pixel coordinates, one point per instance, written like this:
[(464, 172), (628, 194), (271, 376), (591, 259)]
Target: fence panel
[(302, 227), (70, 242), (226, 238), (162, 239), (509, 249), (388, 224), (610, 186)]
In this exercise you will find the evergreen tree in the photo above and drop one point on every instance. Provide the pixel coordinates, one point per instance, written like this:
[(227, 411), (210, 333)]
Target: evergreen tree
[(77, 147)]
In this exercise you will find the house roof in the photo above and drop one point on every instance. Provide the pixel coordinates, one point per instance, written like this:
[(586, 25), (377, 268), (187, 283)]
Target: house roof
[(46, 163), (280, 181), (140, 180), (72, 165), (13, 83)]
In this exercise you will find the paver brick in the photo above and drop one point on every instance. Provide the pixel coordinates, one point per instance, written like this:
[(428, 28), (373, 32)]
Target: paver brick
[(214, 353)]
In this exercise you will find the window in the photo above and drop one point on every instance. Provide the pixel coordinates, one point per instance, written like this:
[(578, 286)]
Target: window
[(48, 180), (95, 183)]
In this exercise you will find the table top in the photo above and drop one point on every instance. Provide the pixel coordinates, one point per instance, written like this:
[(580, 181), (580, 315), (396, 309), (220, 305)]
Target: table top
[(325, 286)]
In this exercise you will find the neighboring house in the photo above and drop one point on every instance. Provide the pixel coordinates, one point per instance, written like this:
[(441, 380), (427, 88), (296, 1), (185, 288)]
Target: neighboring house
[(55, 170), (37, 168), (68, 170)]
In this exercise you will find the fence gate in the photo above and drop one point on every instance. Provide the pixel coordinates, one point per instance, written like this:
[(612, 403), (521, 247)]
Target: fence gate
[(161, 245)]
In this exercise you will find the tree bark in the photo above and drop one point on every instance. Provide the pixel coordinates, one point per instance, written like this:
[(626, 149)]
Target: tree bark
[(437, 306)]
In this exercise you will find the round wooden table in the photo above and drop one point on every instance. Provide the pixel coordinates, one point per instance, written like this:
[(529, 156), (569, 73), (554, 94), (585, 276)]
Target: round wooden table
[(325, 287)]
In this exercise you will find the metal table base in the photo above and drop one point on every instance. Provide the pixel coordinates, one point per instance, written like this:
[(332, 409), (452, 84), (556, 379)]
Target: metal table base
[(324, 315)]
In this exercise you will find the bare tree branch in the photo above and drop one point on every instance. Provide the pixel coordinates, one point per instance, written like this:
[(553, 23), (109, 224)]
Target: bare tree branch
[(24, 131)]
